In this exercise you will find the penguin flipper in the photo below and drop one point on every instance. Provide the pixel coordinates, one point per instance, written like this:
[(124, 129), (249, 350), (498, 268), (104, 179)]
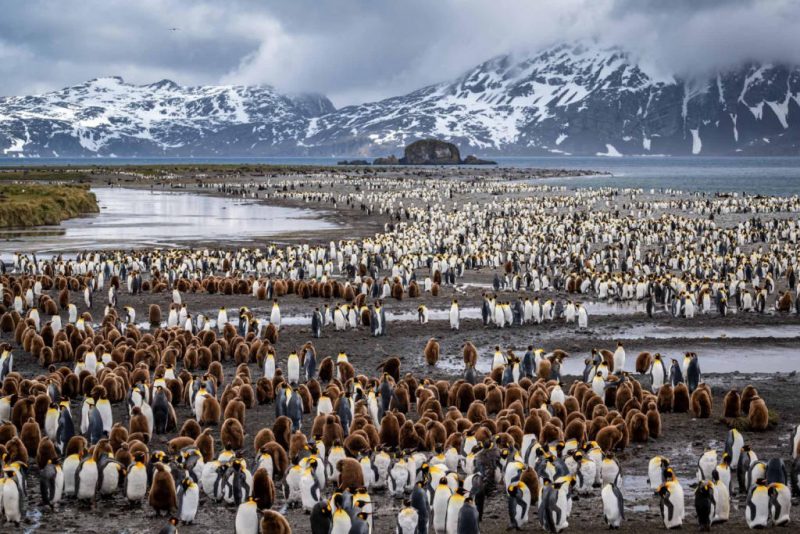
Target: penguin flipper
[(670, 508), (751, 507), (557, 512), (22, 499), (78, 476), (620, 502), (776, 505), (44, 489), (99, 484), (729, 443)]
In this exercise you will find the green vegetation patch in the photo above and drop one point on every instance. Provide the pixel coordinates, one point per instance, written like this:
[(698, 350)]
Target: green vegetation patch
[(35, 205)]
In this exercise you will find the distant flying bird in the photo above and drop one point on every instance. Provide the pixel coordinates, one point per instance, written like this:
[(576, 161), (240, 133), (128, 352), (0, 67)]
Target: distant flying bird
[(173, 29)]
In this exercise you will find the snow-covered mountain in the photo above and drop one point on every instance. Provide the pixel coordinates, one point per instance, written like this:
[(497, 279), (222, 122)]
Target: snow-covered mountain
[(107, 116), (576, 99)]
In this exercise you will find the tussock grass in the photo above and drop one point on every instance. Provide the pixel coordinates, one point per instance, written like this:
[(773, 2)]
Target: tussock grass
[(35, 205), (742, 424)]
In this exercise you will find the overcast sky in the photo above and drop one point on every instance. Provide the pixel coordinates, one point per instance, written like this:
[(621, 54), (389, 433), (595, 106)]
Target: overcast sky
[(360, 50)]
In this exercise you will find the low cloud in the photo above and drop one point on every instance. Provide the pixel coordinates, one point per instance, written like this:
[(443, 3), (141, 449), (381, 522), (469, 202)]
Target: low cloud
[(360, 50)]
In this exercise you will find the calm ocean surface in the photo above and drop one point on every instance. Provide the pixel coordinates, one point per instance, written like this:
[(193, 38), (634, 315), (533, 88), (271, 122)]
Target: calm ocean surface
[(764, 175)]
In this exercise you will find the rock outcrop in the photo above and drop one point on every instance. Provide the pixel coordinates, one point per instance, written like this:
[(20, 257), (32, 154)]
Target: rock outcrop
[(431, 152)]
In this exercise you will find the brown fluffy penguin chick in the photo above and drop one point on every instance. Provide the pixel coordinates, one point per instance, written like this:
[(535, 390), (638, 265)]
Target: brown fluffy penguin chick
[(400, 400), (264, 391), (154, 315), (390, 431), (118, 436), (494, 399), (409, 439), (653, 421), (392, 367), (643, 361), (608, 438), (550, 433), (465, 396), (232, 434), (758, 415), (176, 444), (297, 443), (638, 428), (350, 474), (76, 445), (748, 394), (701, 403), (191, 429), (205, 444), (138, 422), (576, 429), (332, 431), (595, 426), (431, 351), (326, 368), (470, 354), (731, 405), (45, 452), (282, 430), (280, 459), (274, 523), (624, 395), (544, 369), (666, 397), (31, 435), (263, 437), (123, 455), (16, 451), (162, 491), (263, 489), (531, 479), (436, 435), (235, 409), (211, 411), (357, 442), (680, 401)]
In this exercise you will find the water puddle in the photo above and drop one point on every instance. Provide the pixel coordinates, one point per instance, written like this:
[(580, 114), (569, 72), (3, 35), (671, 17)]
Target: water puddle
[(747, 359), (636, 489), (656, 331), (34, 517), (625, 307), (135, 218)]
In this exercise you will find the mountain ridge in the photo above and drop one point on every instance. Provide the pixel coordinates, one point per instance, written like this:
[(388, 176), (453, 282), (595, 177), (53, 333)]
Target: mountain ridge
[(577, 98)]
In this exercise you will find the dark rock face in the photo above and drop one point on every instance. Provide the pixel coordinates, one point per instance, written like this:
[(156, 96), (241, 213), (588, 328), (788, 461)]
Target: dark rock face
[(473, 160), (312, 105), (577, 98), (389, 160), (431, 152)]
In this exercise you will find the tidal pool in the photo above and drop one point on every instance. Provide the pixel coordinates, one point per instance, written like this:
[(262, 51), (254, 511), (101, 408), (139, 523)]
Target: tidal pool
[(132, 218)]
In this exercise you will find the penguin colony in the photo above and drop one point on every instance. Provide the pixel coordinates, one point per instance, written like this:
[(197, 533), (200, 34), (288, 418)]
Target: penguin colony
[(101, 419)]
